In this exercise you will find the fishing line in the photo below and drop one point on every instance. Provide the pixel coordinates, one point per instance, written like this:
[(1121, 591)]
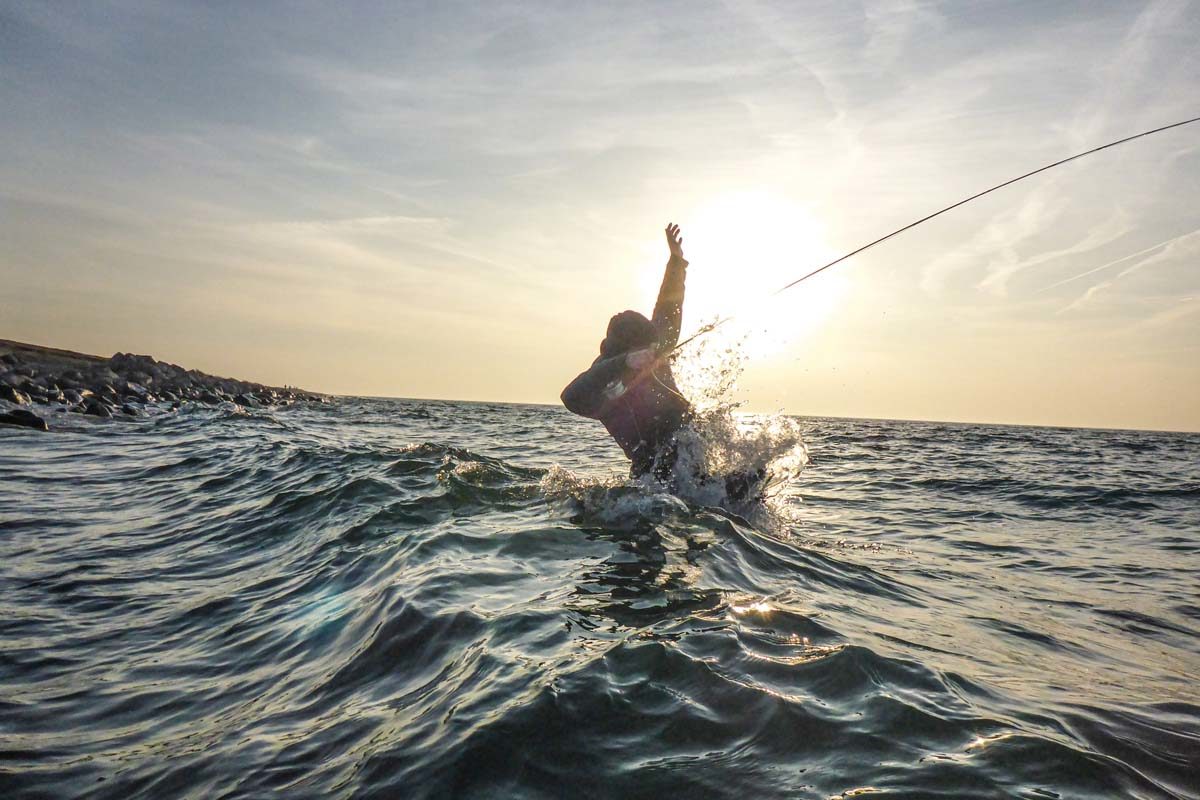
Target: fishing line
[(713, 325)]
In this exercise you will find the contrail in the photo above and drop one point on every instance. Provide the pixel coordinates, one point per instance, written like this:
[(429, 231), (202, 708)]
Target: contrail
[(1105, 266)]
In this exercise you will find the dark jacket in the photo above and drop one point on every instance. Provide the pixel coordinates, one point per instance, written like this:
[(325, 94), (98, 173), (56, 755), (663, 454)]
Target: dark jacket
[(641, 409)]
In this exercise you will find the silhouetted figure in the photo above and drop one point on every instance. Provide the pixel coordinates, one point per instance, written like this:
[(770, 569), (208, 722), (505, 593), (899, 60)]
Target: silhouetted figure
[(629, 387)]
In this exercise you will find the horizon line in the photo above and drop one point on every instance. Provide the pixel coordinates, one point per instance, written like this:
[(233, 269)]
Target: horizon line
[(788, 414)]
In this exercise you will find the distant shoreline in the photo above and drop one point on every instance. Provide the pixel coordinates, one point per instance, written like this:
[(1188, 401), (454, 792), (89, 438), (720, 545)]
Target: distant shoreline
[(37, 382)]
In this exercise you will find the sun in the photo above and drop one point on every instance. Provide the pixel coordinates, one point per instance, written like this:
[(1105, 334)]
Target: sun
[(742, 247)]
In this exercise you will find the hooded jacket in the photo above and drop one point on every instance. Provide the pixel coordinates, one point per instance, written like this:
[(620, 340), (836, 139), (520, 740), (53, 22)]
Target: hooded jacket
[(642, 409)]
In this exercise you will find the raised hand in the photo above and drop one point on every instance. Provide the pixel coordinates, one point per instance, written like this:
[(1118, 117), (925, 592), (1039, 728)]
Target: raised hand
[(674, 240)]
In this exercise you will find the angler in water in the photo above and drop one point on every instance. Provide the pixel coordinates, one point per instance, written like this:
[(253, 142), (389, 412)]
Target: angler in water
[(630, 388)]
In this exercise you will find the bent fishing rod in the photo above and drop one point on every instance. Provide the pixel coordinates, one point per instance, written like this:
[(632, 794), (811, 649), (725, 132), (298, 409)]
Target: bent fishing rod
[(714, 325)]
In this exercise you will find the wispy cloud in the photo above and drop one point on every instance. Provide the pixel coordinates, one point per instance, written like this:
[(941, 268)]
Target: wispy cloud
[(1014, 241), (1183, 308), (1115, 227), (1180, 247), (1112, 263), (996, 244), (1121, 84)]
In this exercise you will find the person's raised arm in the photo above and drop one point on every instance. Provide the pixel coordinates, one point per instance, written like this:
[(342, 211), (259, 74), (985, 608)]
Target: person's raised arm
[(668, 311)]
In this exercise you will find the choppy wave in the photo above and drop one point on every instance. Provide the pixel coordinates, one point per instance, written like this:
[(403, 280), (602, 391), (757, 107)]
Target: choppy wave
[(390, 598)]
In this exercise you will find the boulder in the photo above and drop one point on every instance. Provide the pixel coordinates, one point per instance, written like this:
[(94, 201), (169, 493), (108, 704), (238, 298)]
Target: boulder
[(26, 419), (129, 410), (14, 396), (95, 408), (128, 362), (10, 359), (136, 389)]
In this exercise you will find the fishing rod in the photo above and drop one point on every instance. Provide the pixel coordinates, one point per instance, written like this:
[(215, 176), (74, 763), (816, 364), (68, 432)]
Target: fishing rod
[(714, 325)]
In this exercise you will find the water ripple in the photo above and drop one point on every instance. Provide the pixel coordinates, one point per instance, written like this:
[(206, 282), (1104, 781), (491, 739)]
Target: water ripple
[(431, 599)]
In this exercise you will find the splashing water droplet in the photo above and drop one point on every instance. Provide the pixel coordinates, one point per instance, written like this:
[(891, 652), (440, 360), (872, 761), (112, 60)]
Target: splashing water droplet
[(725, 458)]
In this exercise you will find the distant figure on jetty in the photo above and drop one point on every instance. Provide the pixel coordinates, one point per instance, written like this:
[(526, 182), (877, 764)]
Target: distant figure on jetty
[(629, 387)]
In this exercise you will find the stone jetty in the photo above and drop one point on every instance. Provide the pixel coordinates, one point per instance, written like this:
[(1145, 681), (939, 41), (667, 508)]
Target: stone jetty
[(38, 382)]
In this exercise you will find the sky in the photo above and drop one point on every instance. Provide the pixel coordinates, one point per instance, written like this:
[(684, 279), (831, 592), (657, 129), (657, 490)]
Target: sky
[(449, 200)]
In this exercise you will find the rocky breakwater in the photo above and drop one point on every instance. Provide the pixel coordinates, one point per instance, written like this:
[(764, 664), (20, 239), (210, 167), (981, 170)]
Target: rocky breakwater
[(38, 382)]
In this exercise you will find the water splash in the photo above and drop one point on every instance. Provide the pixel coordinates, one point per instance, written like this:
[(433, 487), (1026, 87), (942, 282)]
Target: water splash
[(723, 458), (611, 502), (727, 458)]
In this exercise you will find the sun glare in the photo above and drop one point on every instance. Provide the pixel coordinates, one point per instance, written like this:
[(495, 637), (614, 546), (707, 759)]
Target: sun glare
[(744, 246)]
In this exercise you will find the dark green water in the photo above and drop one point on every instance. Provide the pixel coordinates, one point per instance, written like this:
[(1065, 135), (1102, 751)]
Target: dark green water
[(407, 599)]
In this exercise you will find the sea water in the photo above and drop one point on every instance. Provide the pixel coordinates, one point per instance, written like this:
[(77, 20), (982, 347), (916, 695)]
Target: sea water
[(388, 598)]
